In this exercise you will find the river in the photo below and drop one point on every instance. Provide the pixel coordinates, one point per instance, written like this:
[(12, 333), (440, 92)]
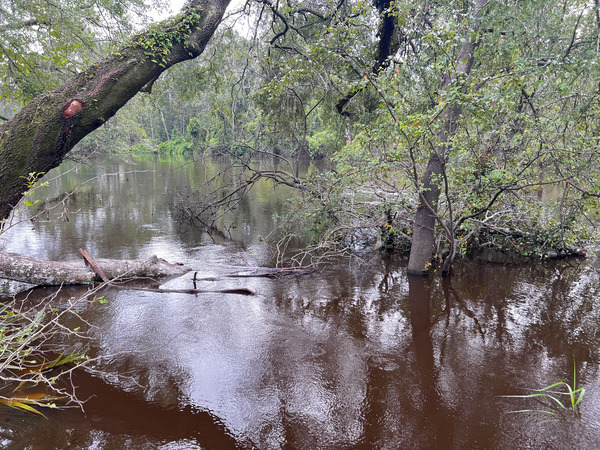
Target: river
[(356, 355)]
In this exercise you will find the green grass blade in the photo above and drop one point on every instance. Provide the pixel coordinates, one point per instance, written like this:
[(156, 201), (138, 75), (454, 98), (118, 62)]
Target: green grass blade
[(532, 410), (554, 385), (558, 402), (581, 392), (553, 396)]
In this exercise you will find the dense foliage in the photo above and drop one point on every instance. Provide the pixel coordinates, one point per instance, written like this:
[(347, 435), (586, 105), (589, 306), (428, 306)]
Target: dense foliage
[(377, 87), (519, 160), (44, 43)]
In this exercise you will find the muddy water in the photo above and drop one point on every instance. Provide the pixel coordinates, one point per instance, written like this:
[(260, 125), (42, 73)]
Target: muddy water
[(355, 356)]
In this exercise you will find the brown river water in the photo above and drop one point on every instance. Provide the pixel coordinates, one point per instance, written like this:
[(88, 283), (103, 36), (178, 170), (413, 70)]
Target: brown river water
[(357, 355)]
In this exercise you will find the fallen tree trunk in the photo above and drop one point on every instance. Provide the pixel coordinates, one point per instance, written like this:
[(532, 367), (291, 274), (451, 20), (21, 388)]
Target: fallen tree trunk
[(53, 273)]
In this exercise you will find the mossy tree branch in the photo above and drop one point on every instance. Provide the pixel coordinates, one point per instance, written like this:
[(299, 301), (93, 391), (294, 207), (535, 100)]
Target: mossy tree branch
[(45, 130)]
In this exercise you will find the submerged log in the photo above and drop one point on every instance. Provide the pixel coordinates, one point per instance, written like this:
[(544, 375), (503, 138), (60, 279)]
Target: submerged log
[(261, 272), (53, 273)]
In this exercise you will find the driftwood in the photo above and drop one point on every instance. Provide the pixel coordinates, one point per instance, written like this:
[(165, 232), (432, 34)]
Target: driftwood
[(90, 262), (88, 271), (53, 273), (239, 291), (99, 272)]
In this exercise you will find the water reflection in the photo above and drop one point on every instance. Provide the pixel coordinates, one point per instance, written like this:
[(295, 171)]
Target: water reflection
[(357, 356)]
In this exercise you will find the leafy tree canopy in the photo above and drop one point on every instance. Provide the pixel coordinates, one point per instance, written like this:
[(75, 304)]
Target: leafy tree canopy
[(44, 43), (503, 94)]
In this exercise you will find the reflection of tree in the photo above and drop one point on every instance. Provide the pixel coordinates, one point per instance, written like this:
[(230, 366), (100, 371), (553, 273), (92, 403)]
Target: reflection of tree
[(367, 356), (568, 317), (451, 294), (538, 308), (436, 419)]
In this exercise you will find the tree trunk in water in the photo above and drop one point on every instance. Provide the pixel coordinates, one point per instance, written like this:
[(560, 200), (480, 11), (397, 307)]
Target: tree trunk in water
[(45, 130), (52, 273), (424, 229)]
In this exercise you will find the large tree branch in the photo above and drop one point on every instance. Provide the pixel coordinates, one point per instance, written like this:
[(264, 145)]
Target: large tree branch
[(387, 45), (19, 25)]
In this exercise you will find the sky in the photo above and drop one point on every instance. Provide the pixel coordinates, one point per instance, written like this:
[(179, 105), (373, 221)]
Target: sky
[(176, 5)]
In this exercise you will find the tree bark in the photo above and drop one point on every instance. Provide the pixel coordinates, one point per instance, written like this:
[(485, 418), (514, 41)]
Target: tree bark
[(45, 130), (424, 229), (53, 273), (387, 45)]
